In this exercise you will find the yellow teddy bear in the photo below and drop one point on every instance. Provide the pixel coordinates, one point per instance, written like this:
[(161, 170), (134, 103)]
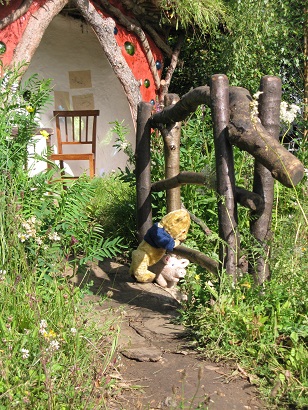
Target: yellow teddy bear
[(161, 237)]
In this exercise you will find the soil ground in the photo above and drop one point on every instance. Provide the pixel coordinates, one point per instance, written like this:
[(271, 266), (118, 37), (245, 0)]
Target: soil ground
[(158, 367)]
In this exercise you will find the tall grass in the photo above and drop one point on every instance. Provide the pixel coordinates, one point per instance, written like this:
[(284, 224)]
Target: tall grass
[(53, 353)]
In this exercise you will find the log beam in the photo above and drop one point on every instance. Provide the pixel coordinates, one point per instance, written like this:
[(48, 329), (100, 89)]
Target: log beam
[(248, 134), (248, 199), (263, 183), (198, 257), (244, 132)]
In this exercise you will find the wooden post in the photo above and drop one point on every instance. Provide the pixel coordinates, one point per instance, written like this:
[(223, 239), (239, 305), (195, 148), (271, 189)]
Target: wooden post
[(263, 183), (172, 136), (143, 169), (227, 209)]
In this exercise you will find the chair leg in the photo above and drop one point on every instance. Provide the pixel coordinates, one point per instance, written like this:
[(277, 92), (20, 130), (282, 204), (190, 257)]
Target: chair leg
[(91, 170)]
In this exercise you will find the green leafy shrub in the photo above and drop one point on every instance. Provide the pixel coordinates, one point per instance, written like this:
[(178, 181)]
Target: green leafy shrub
[(47, 341), (114, 207)]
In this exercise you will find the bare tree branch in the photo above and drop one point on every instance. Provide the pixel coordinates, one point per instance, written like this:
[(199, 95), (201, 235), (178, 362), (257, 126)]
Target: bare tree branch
[(201, 223), (197, 257), (15, 15), (130, 25), (245, 198), (174, 60)]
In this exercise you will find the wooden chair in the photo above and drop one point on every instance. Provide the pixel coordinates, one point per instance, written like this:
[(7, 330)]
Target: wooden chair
[(76, 130)]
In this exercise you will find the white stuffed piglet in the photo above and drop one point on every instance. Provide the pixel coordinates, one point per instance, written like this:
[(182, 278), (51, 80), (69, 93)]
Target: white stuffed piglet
[(169, 270)]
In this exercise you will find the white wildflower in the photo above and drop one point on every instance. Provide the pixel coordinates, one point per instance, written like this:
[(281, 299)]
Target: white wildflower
[(39, 241), (23, 236), (123, 145), (54, 236), (32, 220), (73, 331), (25, 353), (53, 346), (288, 112), (43, 326), (254, 105), (210, 284), (2, 274)]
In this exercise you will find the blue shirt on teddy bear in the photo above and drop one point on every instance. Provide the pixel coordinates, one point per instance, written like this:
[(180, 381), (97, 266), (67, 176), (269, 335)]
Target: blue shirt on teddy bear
[(159, 238)]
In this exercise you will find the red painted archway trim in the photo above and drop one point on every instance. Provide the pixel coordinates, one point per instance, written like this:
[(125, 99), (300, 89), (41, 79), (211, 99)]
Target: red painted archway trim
[(12, 35)]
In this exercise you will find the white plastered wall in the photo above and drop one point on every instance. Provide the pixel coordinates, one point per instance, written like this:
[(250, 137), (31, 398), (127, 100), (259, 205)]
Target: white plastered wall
[(69, 52)]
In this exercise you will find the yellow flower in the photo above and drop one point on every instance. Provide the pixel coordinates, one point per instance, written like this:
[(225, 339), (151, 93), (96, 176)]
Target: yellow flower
[(45, 134), (29, 108), (50, 335), (246, 285), (197, 277)]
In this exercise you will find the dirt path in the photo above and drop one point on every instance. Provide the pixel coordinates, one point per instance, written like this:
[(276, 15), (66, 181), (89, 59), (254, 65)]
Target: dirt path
[(155, 354)]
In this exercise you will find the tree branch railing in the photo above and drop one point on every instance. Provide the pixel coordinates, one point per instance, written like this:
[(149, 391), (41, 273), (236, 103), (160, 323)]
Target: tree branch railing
[(233, 124)]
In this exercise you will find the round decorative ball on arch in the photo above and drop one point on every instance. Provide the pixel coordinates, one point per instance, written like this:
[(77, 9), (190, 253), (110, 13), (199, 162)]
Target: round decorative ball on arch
[(147, 83), (2, 47), (158, 65), (129, 47)]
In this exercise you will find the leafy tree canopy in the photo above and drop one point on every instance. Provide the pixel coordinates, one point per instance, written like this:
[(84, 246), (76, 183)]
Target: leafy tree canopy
[(263, 37)]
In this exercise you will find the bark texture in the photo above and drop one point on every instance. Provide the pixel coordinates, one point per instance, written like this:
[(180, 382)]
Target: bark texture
[(225, 177), (187, 104), (143, 170), (248, 134), (263, 183), (173, 63), (197, 257), (131, 25), (172, 136), (23, 8), (245, 198), (245, 133)]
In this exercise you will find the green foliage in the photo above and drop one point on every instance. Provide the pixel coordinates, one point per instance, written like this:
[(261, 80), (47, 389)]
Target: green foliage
[(263, 37), (18, 109), (121, 144), (47, 346), (204, 15), (265, 329), (113, 207)]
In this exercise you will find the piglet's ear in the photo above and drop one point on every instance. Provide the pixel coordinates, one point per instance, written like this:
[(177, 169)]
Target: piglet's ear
[(184, 263), (166, 259)]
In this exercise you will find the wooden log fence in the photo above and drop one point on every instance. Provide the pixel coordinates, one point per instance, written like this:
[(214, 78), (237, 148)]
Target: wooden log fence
[(233, 124)]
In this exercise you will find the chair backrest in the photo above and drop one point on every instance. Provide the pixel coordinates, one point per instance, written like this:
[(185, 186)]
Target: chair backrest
[(75, 128)]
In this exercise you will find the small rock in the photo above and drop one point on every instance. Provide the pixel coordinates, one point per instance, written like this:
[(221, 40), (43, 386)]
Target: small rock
[(143, 354)]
